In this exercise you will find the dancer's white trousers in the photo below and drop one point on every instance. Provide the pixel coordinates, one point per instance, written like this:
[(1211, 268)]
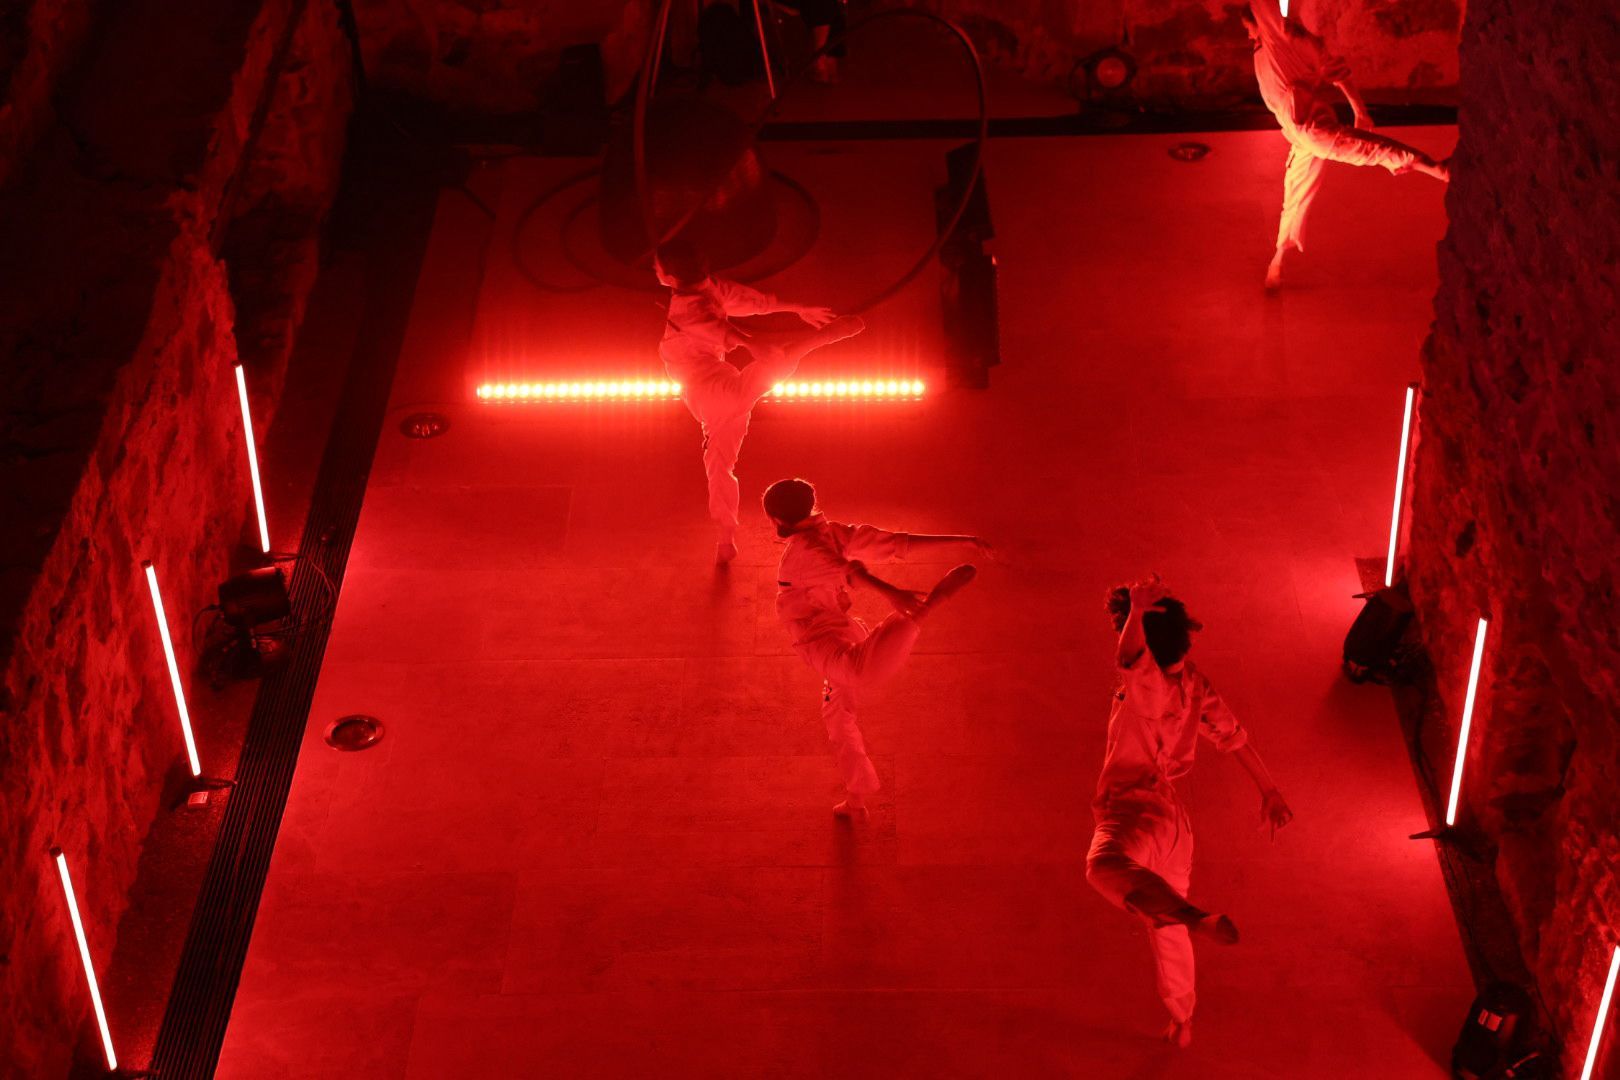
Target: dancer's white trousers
[(853, 660), (1141, 860)]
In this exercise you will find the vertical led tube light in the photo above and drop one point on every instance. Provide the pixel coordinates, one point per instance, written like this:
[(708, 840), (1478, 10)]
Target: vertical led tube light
[(1467, 723), (174, 667), (84, 958), (1602, 1017), (253, 458), (1400, 486)]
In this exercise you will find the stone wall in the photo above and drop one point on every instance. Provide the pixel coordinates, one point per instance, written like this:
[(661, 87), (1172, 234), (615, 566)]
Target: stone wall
[(1517, 490), (40, 42), (494, 55), (1195, 53), (497, 54), (120, 438)]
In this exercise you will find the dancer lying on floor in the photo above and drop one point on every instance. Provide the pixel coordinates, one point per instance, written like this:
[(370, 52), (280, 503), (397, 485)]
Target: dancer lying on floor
[(1299, 82), (1141, 852), (823, 558), (721, 396)]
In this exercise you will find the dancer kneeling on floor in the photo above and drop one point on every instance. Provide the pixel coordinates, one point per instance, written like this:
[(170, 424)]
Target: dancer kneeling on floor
[(1141, 852), (823, 558)]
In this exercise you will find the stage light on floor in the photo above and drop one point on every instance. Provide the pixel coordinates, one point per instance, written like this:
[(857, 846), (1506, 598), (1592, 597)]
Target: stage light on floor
[(1602, 1017), (253, 458), (174, 667), (519, 393), (84, 958), (1400, 485), (1467, 724)]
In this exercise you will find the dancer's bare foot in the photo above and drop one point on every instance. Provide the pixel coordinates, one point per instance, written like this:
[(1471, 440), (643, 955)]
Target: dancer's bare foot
[(845, 326), (724, 552), (1215, 928), (853, 808), (1179, 1033), (952, 583), (1274, 272)]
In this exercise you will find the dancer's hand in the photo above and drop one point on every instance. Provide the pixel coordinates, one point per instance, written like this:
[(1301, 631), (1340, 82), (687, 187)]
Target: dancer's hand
[(907, 602), (1147, 595), (1274, 811), (982, 546), (817, 316)]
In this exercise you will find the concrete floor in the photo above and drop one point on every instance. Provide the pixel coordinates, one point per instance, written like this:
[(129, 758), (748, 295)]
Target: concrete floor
[(596, 839)]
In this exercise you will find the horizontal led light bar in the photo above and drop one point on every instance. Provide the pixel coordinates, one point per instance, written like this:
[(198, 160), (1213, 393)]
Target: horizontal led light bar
[(518, 393), (858, 389)]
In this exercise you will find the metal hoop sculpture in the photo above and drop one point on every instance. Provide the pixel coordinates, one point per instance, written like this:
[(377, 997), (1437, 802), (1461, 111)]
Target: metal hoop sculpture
[(644, 95)]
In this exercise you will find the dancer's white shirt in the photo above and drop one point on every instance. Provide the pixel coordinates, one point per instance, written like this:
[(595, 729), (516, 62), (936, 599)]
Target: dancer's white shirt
[(696, 332), (813, 578), (1154, 728), (1295, 71)]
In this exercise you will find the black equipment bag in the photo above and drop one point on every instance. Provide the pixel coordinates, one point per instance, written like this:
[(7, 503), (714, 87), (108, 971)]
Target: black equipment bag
[(1498, 1036), (1372, 647)]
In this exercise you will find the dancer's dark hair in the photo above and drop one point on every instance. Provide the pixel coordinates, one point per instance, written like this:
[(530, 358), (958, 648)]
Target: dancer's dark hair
[(1168, 629), (683, 262), (789, 502)]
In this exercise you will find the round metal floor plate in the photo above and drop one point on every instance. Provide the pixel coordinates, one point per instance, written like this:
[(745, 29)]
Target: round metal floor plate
[(424, 425), (355, 732)]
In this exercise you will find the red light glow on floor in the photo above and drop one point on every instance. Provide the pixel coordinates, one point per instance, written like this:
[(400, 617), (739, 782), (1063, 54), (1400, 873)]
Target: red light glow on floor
[(1602, 1017), (253, 458), (84, 958), (1400, 487), (1467, 724), (174, 668), (519, 393)]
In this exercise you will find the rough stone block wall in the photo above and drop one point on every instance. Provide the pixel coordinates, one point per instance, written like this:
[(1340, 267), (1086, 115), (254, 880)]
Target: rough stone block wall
[(120, 438), (1516, 510), (1195, 53), (40, 41), (497, 54)]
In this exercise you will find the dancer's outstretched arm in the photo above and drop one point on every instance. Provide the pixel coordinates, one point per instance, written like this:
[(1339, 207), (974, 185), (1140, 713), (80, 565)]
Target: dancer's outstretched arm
[(1274, 809), (1145, 597), (906, 601), (927, 540), (1358, 104)]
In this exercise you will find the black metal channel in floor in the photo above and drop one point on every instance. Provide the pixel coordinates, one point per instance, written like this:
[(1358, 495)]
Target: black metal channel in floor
[(389, 199)]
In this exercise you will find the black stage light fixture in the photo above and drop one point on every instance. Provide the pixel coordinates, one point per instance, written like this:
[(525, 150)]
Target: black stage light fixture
[(251, 637)]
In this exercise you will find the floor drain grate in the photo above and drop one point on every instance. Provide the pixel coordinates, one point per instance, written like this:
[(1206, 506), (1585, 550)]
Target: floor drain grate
[(355, 732), (424, 425)]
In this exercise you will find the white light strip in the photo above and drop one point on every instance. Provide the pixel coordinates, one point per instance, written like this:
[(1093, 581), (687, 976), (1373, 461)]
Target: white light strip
[(1467, 723), (1602, 1016), (174, 667), (1400, 487), (84, 958), (253, 458), (521, 393)]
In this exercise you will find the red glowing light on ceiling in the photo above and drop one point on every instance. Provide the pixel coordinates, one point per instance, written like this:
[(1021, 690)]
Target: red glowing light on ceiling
[(174, 668), (253, 458), (519, 393), (1467, 724), (84, 958)]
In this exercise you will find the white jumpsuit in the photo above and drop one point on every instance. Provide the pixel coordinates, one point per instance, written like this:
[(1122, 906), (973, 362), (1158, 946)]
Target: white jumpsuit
[(1296, 76), (718, 394), (813, 603), (1141, 852)]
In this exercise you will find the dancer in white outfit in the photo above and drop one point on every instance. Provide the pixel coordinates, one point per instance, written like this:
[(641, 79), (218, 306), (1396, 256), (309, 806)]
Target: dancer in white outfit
[(1141, 852), (823, 558), (719, 395), (1299, 82)]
